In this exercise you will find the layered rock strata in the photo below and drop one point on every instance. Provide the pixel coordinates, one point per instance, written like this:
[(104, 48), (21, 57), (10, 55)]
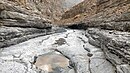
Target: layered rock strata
[(115, 45)]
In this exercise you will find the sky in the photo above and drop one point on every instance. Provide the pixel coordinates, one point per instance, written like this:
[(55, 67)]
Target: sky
[(71, 3)]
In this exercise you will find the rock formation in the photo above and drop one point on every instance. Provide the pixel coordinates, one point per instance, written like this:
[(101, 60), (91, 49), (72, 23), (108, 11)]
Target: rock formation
[(106, 14), (64, 36)]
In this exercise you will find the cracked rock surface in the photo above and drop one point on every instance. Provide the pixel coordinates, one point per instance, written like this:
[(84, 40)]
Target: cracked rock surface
[(115, 45), (44, 54)]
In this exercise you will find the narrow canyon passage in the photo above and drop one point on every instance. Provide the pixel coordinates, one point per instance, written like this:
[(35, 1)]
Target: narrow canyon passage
[(65, 52), (64, 36)]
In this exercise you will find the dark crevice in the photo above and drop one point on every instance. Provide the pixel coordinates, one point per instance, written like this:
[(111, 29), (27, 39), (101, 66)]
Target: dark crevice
[(35, 59), (89, 67), (89, 54), (78, 26), (61, 53), (27, 26), (112, 65), (87, 49), (82, 40)]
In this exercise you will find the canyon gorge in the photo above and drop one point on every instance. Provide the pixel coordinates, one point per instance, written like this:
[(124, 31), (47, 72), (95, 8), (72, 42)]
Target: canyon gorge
[(64, 36)]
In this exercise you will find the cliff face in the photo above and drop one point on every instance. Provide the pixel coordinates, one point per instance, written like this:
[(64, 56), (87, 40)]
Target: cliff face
[(110, 23), (99, 12), (51, 9), (87, 6), (36, 14)]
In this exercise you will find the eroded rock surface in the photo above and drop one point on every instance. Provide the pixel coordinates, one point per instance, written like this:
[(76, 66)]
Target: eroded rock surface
[(32, 53), (105, 14), (115, 45), (18, 24)]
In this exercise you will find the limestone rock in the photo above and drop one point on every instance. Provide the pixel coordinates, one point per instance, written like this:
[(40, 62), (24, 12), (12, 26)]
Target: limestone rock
[(115, 45), (104, 14), (39, 51)]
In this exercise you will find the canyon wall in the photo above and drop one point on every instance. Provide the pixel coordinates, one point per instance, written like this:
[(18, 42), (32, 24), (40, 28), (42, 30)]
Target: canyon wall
[(107, 14)]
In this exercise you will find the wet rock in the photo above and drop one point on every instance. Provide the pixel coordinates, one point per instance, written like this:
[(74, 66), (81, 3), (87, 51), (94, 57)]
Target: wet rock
[(51, 62)]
